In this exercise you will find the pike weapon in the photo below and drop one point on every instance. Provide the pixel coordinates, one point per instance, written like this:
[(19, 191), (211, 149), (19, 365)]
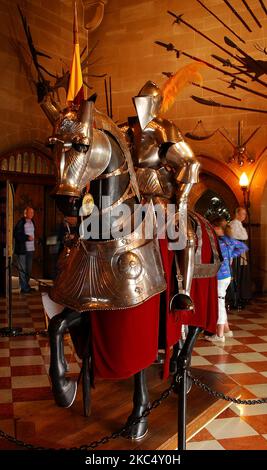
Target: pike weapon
[(216, 91), (242, 87), (233, 10), (110, 99), (228, 63), (179, 19), (252, 13), (106, 95), (221, 21), (232, 44), (171, 47), (227, 106), (263, 6)]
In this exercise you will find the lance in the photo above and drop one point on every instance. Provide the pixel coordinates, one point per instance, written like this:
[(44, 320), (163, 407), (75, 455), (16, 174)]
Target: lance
[(215, 91), (242, 87), (233, 10), (263, 6), (171, 47), (179, 19), (251, 13), (221, 21), (220, 105)]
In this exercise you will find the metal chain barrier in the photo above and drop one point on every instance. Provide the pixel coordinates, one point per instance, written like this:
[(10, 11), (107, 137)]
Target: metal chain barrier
[(222, 396), (23, 333), (104, 440)]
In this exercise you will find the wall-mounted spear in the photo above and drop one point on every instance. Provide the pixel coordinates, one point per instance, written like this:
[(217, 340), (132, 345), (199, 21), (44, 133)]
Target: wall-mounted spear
[(179, 19), (233, 10), (171, 47), (259, 67), (212, 90), (227, 106), (221, 21), (108, 95), (263, 6), (252, 13), (234, 85)]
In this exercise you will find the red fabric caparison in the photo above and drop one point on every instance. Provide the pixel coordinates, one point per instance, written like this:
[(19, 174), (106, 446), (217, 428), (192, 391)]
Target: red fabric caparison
[(123, 342), (204, 292)]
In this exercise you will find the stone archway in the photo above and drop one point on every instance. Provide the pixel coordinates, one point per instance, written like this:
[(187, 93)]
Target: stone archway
[(225, 186)]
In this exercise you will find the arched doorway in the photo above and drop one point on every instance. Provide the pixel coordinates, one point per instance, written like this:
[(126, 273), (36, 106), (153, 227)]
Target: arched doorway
[(212, 196), (32, 173), (210, 205)]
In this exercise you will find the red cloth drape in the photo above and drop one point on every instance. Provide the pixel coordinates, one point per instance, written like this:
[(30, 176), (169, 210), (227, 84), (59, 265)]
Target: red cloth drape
[(123, 342)]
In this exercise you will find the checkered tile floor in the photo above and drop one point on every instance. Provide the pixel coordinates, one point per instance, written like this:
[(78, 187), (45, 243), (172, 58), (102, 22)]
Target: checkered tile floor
[(244, 359), (24, 367)]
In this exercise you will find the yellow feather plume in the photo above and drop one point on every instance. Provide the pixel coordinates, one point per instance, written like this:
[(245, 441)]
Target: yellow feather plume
[(175, 84)]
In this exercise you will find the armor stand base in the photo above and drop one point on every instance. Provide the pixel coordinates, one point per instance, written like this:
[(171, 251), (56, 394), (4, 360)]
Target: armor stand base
[(183, 364)]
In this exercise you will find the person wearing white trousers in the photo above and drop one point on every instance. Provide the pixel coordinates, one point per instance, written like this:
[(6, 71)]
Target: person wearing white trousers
[(230, 248)]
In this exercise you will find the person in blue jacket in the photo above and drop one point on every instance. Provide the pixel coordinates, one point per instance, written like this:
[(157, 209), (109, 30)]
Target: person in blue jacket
[(230, 248)]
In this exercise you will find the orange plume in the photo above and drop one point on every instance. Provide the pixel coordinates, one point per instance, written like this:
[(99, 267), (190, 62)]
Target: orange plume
[(175, 84)]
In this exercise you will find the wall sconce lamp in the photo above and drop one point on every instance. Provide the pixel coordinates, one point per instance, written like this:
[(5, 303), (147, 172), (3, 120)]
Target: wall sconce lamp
[(244, 184)]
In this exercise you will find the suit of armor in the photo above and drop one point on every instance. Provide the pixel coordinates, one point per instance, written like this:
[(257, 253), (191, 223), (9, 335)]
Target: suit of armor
[(166, 170), (102, 274)]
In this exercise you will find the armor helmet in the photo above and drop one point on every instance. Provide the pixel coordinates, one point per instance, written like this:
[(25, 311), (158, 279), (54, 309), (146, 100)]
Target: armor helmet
[(148, 103)]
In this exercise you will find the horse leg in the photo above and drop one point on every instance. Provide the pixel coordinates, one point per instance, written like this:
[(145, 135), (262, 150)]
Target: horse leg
[(64, 389), (140, 403)]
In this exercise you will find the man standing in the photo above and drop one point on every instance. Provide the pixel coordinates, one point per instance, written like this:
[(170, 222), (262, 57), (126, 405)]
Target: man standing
[(24, 248), (241, 273)]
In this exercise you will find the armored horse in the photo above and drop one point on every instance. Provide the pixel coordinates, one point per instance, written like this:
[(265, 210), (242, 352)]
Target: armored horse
[(111, 287)]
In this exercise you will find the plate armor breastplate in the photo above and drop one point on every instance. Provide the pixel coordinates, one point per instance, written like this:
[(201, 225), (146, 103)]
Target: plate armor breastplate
[(112, 274)]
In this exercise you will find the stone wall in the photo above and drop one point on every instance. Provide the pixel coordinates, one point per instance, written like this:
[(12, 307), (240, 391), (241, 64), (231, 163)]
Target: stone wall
[(127, 34), (21, 119)]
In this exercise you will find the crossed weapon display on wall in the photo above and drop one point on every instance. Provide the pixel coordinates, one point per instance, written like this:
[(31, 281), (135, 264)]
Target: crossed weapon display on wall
[(237, 66)]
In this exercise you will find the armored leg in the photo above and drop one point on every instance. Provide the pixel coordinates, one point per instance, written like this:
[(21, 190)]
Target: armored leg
[(140, 403), (64, 389)]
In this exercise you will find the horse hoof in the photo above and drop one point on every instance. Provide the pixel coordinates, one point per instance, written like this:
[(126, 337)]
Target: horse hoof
[(137, 431), (66, 395)]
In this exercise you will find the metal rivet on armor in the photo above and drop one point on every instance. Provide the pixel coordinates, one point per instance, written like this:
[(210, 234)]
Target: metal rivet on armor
[(138, 290)]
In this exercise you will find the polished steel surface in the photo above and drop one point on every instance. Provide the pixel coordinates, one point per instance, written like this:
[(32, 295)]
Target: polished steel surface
[(182, 159), (148, 103), (81, 152), (113, 274)]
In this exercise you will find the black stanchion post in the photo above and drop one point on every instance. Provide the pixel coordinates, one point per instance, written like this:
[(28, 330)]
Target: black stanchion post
[(182, 405), (183, 364)]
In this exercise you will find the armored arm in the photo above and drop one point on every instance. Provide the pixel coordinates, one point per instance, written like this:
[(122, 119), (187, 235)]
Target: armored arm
[(181, 157)]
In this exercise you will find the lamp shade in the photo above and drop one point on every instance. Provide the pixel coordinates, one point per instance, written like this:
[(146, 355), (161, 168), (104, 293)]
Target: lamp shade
[(243, 181)]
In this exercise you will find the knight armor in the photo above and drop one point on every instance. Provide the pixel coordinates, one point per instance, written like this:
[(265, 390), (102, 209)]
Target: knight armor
[(102, 274), (166, 168)]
